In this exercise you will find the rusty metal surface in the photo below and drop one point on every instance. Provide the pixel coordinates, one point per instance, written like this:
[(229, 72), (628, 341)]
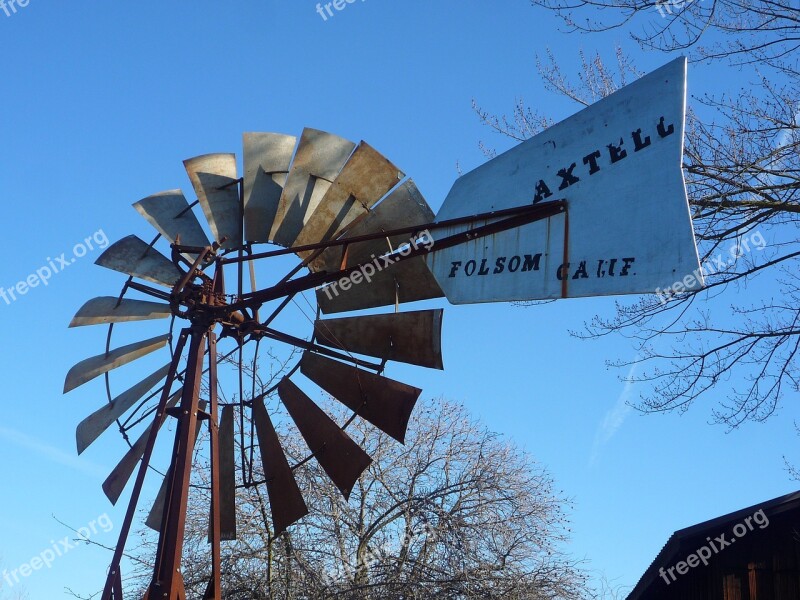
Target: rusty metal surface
[(227, 475), (105, 310), (341, 458), (385, 403), (88, 369), (267, 157), (95, 424), (412, 337), (285, 500), (408, 281), (319, 158), (119, 476), (156, 514), (135, 257), (214, 179), (365, 178), (169, 213)]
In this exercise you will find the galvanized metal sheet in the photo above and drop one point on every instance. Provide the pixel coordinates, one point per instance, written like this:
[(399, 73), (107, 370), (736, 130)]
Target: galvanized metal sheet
[(227, 475), (169, 213), (267, 157), (115, 483), (408, 281), (385, 403), (135, 257), (92, 426), (106, 309), (341, 458), (156, 514), (285, 500), (319, 158), (88, 369), (214, 179), (412, 337), (617, 163), (365, 178)]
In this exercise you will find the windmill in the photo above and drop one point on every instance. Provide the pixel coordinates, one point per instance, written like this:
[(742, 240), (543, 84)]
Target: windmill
[(594, 205)]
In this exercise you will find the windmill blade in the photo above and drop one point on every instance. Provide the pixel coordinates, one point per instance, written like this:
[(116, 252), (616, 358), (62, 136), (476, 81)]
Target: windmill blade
[(341, 458), (88, 369), (116, 481), (170, 214), (406, 281), (285, 500), (319, 158), (385, 403), (214, 179), (365, 178), (227, 475), (267, 157), (411, 337), (156, 514), (95, 424), (136, 258), (108, 309)]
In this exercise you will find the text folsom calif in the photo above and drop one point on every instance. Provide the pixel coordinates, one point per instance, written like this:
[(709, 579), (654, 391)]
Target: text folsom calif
[(611, 267)]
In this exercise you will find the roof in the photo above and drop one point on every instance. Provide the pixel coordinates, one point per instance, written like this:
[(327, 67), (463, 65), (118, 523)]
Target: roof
[(671, 552)]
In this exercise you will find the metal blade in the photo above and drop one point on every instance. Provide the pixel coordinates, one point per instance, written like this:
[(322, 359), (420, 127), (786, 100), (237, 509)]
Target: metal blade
[(411, 337), (92, 426), (319, 158), (407, 281), (105, 309), (285, 500), (170, 214), (156, 514), (341, 458), (267, 157), (214, 179), (88, 369), (116, 481), (385, 403), (227, 475), (134, 257), (364, 180)]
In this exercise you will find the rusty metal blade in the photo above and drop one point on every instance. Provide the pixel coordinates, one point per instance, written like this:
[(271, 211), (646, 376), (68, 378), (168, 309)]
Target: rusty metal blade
[(267, 157), (133, 256), (95, 424), (385, 403), (88, 369), (412, 337), (341, 458), (227, 475), (116, 481), (214, 179), (169, 213), (365, 178), (285, 500), (407, 281), (319, 158), (156, 514), (105, 309)]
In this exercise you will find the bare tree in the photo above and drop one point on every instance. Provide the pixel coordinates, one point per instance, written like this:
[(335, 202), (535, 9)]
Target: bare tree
[(456, 512), (742, 168)]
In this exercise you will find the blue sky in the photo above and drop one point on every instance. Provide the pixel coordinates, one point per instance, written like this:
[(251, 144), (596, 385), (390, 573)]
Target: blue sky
[(102, 102)]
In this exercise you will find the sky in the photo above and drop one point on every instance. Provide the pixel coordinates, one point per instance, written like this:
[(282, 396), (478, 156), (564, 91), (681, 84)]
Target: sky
[(102, 102)]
